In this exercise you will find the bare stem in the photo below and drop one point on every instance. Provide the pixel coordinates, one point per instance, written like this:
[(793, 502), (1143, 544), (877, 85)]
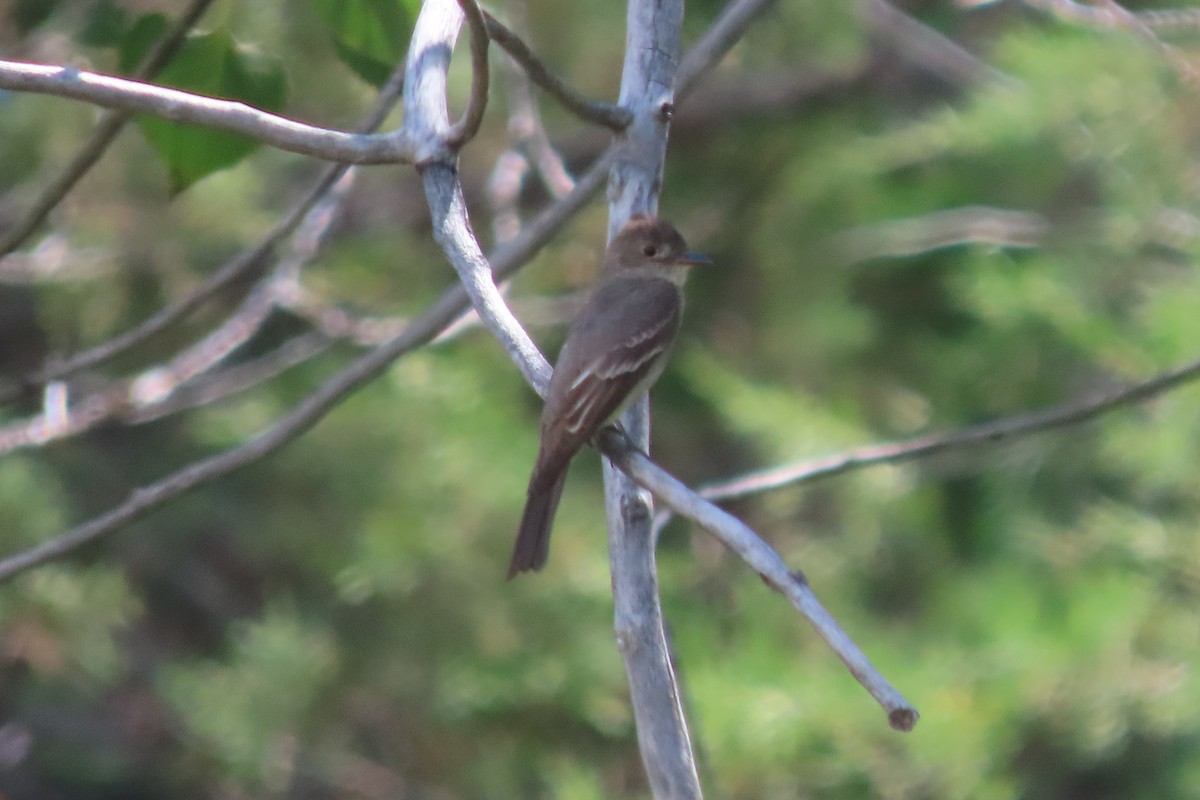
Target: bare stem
[(997, 227), (724, 33), (763, 559), (935, 52), (465, 129), (1068, 414), (608, 115), (652, 36)]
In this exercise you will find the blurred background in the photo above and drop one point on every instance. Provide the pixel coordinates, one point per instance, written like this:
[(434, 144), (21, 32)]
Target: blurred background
[(909, 238)]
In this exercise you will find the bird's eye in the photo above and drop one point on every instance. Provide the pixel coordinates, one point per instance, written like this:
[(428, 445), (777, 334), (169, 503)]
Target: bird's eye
[(650, 250)]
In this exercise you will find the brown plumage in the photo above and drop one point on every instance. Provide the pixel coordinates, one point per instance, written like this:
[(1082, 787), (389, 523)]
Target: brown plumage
[(614, 350)]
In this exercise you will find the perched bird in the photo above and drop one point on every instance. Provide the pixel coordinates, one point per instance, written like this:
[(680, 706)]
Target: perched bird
[(615, 349)]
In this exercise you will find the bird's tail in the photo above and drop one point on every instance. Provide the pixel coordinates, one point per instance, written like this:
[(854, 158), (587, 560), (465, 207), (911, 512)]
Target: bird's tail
[(533, 537)]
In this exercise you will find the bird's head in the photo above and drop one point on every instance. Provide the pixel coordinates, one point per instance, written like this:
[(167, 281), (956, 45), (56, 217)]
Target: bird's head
[(648, 243)]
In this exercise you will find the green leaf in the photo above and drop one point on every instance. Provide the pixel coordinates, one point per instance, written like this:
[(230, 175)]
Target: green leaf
[(210, 64), (146, 30), (370, 36), (28, 14), (105, 25)]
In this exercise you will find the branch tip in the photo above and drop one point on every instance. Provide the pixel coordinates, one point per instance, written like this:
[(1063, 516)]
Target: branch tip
[(903, 719)]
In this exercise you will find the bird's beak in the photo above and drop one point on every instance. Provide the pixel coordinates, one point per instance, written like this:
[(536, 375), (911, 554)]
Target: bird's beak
[(693, 259)]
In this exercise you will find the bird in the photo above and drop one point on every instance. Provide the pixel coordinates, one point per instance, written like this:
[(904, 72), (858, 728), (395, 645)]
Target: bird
[(615, 349)]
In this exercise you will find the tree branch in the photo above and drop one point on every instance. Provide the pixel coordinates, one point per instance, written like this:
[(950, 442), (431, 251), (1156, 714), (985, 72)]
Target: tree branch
[(652, 32), (239, 378), (151, 393), (947, 228), (718, 40), (396, 147), (312, 409), (465, 129), (1068, 414), (425, 106), (636, 177), (763, 559), (925, 47), (525, 124), (105, 132), (1109, 14)]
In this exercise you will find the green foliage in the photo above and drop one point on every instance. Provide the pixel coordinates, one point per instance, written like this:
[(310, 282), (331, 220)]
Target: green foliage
[(26, 15), (334, 621), (371, 36), (211, 64), (107, 24), (30, 501), (246, 709)]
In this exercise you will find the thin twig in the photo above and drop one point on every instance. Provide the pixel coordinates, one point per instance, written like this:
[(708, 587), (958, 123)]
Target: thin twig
[(54, 260), (216, 346), (154, 390), (724, 33), (239, 378), (504, 192), (525, 120), (928, 48), (1171, 18), (531, 146), (1108, 14), (997, 227), (465, 128), (334, 322), (1073, 413), (102, 136), (599, 112), (1182, 65), (396, 147)]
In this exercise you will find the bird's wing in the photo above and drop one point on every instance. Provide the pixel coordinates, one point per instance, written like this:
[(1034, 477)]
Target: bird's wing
[(597, 392), (602, 365)]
